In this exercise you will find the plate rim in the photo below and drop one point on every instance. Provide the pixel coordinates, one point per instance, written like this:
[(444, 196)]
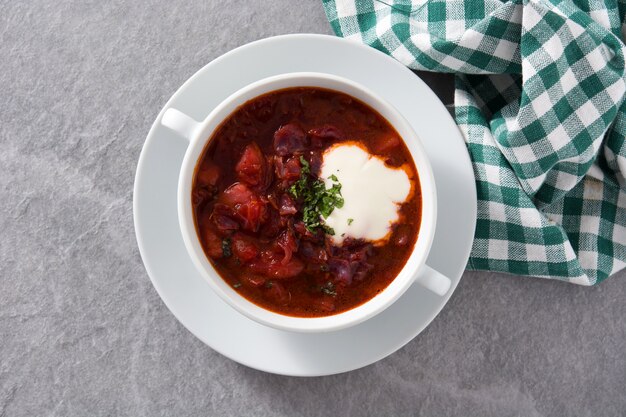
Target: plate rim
[(141, 162)]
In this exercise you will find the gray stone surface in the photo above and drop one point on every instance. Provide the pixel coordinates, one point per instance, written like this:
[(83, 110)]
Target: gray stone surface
[(82, 331)]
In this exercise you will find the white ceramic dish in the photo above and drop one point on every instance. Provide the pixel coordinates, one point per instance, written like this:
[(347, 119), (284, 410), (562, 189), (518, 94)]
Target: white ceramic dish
[(191, 299), (414, 271)]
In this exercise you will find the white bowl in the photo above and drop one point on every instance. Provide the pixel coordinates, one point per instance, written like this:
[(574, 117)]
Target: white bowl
[(414, 271)]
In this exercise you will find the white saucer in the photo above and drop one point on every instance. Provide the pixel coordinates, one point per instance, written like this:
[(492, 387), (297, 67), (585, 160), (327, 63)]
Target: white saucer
[(189, 297)]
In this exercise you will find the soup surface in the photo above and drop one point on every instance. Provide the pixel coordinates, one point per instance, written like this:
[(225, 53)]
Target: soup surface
[(264, 211)]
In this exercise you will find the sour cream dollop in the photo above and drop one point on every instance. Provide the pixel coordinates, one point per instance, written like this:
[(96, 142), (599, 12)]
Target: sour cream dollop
[(372, 192)]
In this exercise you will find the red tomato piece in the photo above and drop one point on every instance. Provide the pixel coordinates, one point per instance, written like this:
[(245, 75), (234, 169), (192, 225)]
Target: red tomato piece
[(237, 193), (250, 210), (243, 247), (252, 166), (252, 214), (213, 244)]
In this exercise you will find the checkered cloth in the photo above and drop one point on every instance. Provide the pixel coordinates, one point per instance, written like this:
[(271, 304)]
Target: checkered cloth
[(539, 98)]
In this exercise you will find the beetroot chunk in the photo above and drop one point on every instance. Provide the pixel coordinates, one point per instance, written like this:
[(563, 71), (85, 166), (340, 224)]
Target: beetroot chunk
[(287, 206), (288, 243), (349, 262), (315, 161), (289, 170), (224, 219), (343, 270), (320, 135), (289, 139), (311, 253)]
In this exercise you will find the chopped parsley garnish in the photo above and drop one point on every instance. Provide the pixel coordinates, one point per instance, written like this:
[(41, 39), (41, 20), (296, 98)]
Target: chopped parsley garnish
[(226, 248), (350, 221), (237, 285), (317, 200), (329, 289), (328, 230)]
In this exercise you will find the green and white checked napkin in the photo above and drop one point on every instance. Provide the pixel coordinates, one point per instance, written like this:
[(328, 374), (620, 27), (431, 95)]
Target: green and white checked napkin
[(539, 98)]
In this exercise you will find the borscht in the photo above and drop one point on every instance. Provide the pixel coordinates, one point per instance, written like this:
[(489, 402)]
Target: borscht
[(306, 202)]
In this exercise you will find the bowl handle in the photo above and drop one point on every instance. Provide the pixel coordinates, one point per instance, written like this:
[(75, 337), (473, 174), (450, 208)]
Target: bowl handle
[(179, 122), (433, 280)]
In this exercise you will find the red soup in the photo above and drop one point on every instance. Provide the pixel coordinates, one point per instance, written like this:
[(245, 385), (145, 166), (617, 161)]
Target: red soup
[(261, 206)]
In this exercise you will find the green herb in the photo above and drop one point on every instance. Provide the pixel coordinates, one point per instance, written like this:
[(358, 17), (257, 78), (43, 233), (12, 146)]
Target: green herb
[(350, 221), (269, 284), (226, 248), (324, 268), (329, 289), (301, 185), (328, 230), (317, 200), (237, 285)]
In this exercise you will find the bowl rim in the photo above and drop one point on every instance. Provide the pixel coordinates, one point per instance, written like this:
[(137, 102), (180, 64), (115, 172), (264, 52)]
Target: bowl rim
[(200, 140)]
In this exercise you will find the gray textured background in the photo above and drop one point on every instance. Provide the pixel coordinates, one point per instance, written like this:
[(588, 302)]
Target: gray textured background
[(82, 331)]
